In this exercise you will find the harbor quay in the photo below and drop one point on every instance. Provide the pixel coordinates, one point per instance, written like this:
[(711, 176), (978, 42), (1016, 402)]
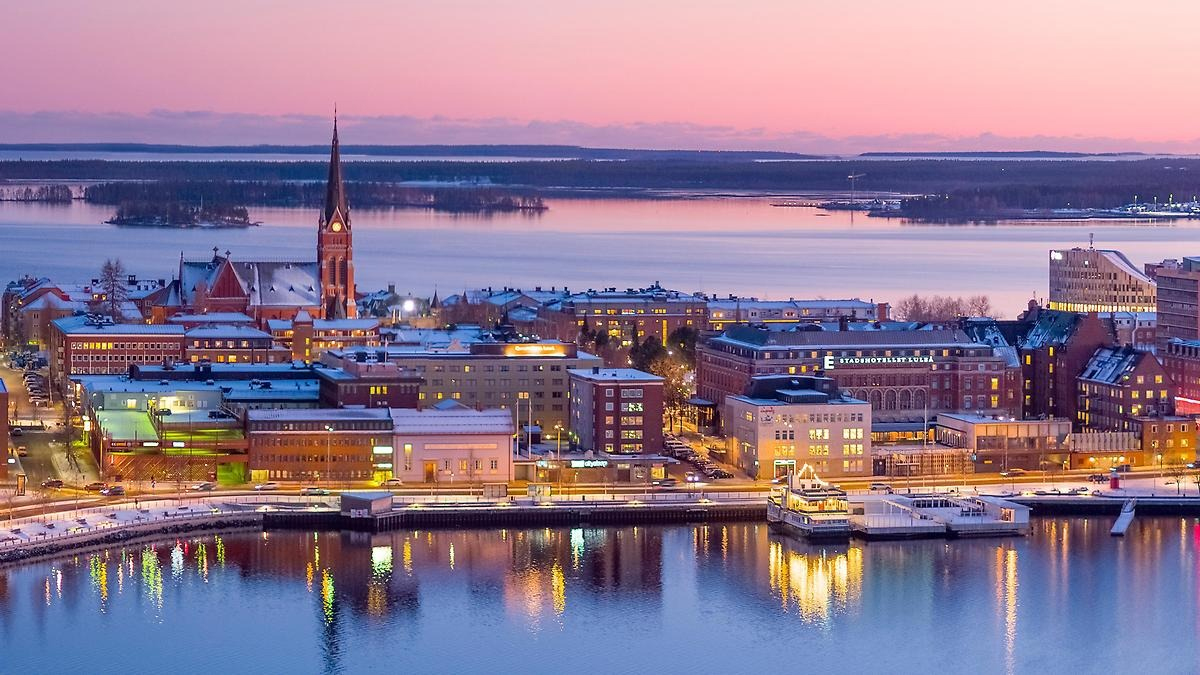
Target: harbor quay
[(925, 513)]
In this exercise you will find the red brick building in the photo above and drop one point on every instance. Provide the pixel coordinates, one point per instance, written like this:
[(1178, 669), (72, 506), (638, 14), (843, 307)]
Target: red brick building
[(906, 375), (319, 445), (1181, 359), (91, 345), (1119, 386), (377, 383), (1054, 349), (616, 410)]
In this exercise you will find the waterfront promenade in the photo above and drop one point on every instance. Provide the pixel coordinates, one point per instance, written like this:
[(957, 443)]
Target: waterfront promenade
[(36, 534)]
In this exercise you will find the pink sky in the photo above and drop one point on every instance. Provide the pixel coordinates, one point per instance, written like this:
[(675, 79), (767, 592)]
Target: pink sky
[(800, 74)]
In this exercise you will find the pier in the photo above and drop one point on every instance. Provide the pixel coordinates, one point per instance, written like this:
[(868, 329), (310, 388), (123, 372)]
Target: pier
[(935, 516)]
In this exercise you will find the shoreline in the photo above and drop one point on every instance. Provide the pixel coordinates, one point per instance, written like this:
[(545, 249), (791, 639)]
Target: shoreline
[(317, 515)]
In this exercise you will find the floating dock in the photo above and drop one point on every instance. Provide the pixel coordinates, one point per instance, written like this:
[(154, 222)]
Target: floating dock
[(937, 516)]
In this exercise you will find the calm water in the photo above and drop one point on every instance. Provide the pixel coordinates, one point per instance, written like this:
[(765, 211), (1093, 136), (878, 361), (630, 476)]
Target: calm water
[(718, 598), (718, 245)]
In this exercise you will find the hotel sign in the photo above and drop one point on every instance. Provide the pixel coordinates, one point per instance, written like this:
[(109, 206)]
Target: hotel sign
[(832, 362), (535, 350)]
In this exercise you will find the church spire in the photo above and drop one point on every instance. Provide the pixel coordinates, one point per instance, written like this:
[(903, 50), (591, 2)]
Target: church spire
[(336, 206)]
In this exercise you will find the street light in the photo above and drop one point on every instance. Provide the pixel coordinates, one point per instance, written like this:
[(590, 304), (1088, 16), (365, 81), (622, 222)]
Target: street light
[(328, 448)]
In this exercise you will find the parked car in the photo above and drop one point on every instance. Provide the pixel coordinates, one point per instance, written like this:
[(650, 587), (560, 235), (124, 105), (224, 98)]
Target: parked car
[(313, 491), (16, 432), (392, 482), (721, 473), (206, 486), (1012, 473), (113, 491), (1124, 468), (94, 487), (262, 487), (881, 487), (52, 483), (1098, 478)]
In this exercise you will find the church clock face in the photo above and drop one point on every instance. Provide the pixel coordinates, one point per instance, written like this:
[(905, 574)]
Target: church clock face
[(336, 227)]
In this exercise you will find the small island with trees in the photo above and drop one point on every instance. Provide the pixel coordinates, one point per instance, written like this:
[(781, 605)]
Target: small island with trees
[(180, 215)]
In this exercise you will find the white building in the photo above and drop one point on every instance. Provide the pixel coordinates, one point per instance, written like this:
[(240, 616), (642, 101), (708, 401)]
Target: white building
[(785, 422), (451, 443)]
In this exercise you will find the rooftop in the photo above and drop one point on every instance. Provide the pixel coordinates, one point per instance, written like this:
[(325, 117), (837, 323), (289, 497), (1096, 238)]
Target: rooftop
[(318, 415), (452, 420), (83, 325), (614, 374), (756, 337), (1109, 365)]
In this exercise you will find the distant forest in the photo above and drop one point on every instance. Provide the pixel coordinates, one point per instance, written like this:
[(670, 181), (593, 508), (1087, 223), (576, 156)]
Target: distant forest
[(42, 193), (969, 184), (530, 151), (264, 193)]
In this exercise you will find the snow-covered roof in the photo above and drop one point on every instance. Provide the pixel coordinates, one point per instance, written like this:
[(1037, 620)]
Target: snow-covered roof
[(614, 375), (454, 420)]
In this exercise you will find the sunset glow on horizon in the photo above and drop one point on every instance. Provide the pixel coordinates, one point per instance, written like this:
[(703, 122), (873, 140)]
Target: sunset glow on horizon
[(765, 72)]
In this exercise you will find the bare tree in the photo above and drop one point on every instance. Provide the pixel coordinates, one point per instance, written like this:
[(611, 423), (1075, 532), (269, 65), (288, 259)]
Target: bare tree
[(979, 305), (112, 284), (941, 307)]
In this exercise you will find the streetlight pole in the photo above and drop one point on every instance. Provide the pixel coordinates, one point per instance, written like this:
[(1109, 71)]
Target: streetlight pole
[(328, 450)]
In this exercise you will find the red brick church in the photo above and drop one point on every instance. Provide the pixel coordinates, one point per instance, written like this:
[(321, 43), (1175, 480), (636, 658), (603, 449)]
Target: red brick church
[(277, 289)]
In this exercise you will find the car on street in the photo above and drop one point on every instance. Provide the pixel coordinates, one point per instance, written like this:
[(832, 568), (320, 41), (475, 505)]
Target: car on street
[(1012, 473), (881, 487), (113, 491), (313, 491), (16, 432), (665, 482), (721, 473), (22, 451), (1098, 478), (392, 482), (94, 487), (206, 486), (52, 483), (262, 487)]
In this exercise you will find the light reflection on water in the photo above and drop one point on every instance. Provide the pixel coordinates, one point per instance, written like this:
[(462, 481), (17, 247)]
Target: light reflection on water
[(729, 245), (730, 597)]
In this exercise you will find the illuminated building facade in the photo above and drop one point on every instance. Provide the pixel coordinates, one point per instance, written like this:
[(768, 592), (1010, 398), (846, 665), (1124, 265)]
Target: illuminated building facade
[(528, 378), (1098, 280), (624, 315), (906, 375), (90, 345), (347, 444), (1178, 304), (783, 422), (617, 410)]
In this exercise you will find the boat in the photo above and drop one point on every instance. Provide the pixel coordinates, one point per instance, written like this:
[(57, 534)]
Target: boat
[(809, 507)]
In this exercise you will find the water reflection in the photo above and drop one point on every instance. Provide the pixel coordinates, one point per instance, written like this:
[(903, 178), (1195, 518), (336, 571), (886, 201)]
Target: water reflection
[(995, 605)]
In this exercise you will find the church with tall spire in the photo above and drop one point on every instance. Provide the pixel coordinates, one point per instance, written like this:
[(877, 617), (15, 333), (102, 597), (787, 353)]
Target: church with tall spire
[(335, 249), (278, 290)]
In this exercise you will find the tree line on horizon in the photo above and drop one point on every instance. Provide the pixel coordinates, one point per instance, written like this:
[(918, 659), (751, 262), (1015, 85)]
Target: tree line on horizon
[(1006, 183)]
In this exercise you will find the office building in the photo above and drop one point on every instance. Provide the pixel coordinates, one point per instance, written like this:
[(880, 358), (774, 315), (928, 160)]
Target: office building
[(782, 423), (1098, 280), (616, 410)]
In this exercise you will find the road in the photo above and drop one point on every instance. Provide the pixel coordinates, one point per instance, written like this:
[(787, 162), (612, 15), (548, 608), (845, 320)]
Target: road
[(47, 456)]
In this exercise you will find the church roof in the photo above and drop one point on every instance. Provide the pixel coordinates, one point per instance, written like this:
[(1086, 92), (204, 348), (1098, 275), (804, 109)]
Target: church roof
[(264, 283)]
